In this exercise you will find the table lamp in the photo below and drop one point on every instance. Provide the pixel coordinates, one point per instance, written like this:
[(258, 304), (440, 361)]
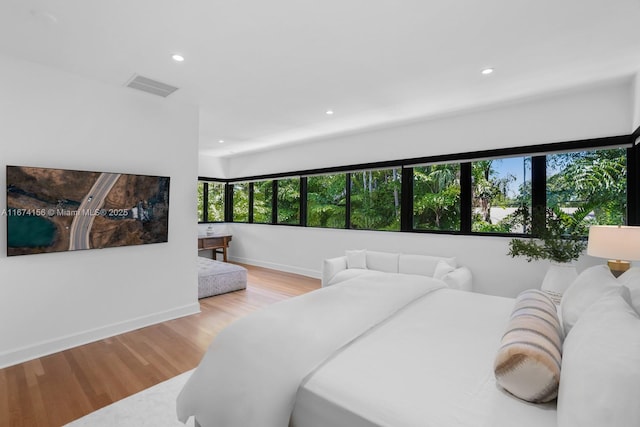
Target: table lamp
[(618, 243)]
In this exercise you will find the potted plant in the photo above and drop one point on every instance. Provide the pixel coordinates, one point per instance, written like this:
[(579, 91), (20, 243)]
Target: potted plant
[(561, 241)]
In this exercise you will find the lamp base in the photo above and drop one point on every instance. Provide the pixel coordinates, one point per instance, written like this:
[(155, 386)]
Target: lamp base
[(618, 267)]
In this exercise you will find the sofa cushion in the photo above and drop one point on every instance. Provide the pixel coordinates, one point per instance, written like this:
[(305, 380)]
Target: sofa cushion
[(382, 261), (460, 278), (357, 258), (424, 265), (350, 274), (442, 269)]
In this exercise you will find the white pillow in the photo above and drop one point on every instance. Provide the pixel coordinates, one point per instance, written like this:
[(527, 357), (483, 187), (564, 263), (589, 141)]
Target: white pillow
[(357, 258), (600, 380), (631, 279), (588, 287), (423, 265), (382, 261), (460, 278), (442, 269), (529, 359)]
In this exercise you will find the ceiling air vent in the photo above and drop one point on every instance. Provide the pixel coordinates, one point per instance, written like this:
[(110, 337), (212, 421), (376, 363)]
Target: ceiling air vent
[(146, 84)]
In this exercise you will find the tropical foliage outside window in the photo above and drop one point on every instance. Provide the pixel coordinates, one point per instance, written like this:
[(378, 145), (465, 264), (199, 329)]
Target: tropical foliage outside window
[(593, 183), (375, 199), (215, 201), (597, 179), (436, 197), (289, 201), (241, 202), (326, 201), (262, 201), (499, 187), (200, 200)]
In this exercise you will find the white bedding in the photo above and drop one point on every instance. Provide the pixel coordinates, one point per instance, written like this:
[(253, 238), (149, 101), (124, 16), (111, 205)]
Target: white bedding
[(251, 371), (366, 352), (429, 366)]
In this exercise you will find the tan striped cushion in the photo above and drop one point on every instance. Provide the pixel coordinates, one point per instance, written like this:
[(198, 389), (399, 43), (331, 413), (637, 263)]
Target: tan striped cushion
[(528, 362)]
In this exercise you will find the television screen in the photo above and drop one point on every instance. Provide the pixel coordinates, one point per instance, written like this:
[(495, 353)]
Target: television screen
[(54, 210)]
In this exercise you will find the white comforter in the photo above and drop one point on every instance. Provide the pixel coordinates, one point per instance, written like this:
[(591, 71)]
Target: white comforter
[(431, 365), (250, 374)]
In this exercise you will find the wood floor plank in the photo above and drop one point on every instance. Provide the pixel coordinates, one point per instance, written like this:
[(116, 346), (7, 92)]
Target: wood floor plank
[(56, 389)]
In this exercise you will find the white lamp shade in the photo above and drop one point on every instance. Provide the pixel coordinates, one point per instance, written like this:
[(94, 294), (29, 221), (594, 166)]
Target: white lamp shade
[(619, 242)]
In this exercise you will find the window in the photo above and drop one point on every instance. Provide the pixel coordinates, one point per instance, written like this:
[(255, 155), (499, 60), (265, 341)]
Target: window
[(289, 201), (375, 199), (436, 197), (499, 188), (200, 200), (589, 184), (262, 201), (504, 193), (241, 202), (326, 201), (210, 201)]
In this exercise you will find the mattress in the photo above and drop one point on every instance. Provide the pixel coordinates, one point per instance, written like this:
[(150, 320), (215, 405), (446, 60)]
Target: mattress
[(431, 365)]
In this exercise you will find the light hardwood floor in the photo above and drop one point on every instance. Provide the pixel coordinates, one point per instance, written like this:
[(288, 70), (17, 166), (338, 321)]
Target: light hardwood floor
[(56, 389)]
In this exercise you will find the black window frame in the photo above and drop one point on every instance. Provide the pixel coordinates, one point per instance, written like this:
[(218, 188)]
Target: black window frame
[(538, 177), (205, 199)]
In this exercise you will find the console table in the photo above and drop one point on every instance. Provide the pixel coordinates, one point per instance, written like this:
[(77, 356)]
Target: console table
[(214, 243)]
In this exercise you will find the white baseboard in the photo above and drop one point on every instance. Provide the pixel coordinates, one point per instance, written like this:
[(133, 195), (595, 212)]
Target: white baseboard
[(316, 274), (44, 348)]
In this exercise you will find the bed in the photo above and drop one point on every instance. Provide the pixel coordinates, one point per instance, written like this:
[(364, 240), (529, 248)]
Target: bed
[(404, 351)]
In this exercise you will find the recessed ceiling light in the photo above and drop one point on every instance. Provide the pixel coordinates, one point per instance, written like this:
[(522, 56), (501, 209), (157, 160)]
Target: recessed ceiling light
[(329, 112), (487, 71), (221, 141), (177, 57)]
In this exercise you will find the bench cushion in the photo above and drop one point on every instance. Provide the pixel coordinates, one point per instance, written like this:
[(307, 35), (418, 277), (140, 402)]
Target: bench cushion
[(215, 277)]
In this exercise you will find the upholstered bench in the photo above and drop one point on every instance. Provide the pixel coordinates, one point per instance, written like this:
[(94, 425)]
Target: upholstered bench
[(215, 277)]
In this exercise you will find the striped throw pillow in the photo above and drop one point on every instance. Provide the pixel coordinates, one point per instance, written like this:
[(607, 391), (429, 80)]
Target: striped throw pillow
[(528, 362)]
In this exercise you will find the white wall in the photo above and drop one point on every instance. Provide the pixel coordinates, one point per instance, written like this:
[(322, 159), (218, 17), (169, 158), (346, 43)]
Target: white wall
[(599, 111), (636, 99), (596, 111), (212, 167), (301, 250), (49, 302)]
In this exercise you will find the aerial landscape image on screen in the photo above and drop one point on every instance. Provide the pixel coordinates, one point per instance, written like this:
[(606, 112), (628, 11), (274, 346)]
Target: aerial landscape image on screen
[(54, 210)]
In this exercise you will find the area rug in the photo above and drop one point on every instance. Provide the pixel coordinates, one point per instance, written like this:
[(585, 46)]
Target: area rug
[(153, 407)]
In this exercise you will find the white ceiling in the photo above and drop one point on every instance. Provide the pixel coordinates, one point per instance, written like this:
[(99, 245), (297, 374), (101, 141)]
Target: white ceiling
[(264, 72)]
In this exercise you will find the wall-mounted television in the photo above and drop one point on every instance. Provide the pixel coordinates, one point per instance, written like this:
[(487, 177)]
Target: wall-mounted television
[(55, 210)]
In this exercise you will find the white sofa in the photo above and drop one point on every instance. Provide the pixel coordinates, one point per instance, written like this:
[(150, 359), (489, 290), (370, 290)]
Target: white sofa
[(357, 263)]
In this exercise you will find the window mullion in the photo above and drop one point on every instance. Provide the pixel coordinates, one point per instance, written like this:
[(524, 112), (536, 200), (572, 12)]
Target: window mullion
[(633, 185), (205, 202), (303, 201), (406, 200), (538, 193), (250, 203), (347, 215), (465, 197)]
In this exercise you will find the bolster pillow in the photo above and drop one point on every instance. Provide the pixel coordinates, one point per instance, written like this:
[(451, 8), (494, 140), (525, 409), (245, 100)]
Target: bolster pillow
[(528, 362)]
